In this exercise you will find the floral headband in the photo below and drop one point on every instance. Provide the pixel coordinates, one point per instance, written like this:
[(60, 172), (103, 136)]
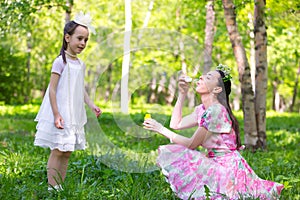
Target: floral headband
[(85, 20), (226, 70)]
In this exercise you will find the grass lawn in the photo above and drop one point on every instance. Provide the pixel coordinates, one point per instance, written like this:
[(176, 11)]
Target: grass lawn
[(122, 165)]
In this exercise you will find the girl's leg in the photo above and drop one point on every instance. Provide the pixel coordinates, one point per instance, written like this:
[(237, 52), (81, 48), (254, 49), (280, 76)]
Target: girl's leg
[(57, 166)]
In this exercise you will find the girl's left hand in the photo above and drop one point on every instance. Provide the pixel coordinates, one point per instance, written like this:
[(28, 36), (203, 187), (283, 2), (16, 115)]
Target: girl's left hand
[(153, 125), (97, 111)]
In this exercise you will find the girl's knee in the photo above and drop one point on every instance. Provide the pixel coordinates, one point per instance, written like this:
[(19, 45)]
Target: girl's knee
[(61, 154), (67, 154)]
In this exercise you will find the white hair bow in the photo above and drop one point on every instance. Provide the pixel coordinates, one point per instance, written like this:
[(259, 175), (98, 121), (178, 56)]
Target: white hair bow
[(85, 20)]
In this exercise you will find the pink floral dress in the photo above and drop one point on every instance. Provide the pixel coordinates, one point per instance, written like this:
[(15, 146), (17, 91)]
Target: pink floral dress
[(221, 172)]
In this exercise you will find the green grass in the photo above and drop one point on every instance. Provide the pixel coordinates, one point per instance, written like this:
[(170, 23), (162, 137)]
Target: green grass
[(23, 166)]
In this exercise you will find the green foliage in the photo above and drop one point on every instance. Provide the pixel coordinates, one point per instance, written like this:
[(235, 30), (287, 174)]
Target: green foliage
[(27, 30), (16, 15), (23, 166), (31, 32), (12, 75)]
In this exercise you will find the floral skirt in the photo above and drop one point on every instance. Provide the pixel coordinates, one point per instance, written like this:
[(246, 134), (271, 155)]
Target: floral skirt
[(193, 175)]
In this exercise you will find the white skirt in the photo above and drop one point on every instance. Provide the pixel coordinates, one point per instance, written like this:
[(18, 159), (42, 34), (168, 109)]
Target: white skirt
[(67, 139)]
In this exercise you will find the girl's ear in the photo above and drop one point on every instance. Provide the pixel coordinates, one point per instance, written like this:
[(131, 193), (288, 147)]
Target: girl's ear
[(217, 90), (67, 37)]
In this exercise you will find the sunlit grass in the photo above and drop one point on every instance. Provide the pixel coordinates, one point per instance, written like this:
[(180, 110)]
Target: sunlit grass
[(23, 166), (19, 110)]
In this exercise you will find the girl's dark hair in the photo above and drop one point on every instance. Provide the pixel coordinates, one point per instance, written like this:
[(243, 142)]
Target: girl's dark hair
[(69, 29), (235, 124)]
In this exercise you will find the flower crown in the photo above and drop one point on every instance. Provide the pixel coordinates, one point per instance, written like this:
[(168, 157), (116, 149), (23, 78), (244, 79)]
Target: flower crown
[(226, 70), (84, 20)]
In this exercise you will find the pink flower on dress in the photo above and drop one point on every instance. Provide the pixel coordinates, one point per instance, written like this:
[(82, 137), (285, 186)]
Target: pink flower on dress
[(230, 189), (190, 186), (176, 179), (211, 154), (191, 168), (241, 183), (245, 164), (279, 188), (177, 164), (210, 172), (218, 126), (219, 142), (256, 186)]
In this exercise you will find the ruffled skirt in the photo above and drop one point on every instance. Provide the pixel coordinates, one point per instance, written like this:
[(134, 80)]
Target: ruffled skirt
[(193, 175), (67, 139)]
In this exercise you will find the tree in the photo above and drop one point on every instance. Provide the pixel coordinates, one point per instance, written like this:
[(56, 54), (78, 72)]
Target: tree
[(282, 18), (209, 35), (11, 76), (19, 19), (68, 8), (126, 58), (261, 76), (250, 130), (295, 93)]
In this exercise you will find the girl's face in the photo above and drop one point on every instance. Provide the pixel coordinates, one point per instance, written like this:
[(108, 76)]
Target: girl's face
[(77, 41), (207, 82)]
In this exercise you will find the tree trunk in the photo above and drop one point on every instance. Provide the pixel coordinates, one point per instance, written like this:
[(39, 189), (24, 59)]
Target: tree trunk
[(184, 70), (69, 5), (250, 130), (146, 20), (261, 76), (27, 85), (126, 58), (109, 82), (276, 97), (171, 90), (252, 49), (152, 98), (209, 35), (161, 88), (181, 46), (295, 89), (236, 101)]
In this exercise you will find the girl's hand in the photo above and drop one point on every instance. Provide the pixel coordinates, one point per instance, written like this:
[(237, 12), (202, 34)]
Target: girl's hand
[(59, 122), (97, 110), (153, 125), (183, 85)]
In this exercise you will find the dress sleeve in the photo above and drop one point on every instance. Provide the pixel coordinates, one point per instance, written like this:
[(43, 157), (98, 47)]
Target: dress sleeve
[(216, 119), (58, 66)]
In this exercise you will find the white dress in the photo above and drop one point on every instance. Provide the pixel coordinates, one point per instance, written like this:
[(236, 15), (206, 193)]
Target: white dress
[(70, 102)]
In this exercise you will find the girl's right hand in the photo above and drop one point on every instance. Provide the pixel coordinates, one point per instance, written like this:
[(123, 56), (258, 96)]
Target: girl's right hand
[(153, 125), (183, 85), (59, 122)]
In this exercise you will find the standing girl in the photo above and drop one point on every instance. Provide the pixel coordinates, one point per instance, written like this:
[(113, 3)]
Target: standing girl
[(62, 115)]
